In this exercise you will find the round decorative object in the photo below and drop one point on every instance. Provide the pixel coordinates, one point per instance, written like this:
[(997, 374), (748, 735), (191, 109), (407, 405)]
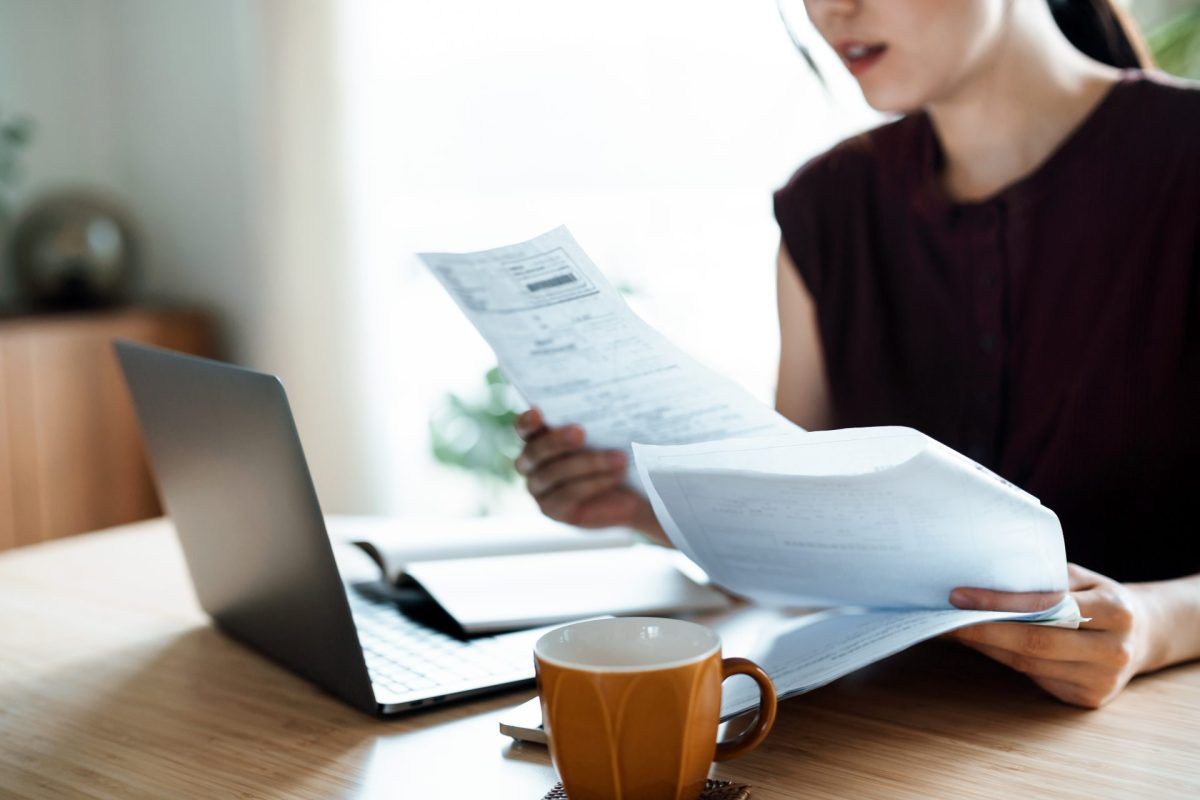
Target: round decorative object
[(71, 251)]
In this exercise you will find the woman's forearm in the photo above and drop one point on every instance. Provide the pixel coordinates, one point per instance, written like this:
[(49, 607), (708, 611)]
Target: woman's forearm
[(1174, 608)]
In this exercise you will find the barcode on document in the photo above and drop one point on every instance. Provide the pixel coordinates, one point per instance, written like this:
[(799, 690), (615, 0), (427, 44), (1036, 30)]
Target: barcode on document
[(550, 283)]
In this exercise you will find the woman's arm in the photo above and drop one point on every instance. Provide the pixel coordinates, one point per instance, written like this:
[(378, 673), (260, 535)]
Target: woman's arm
[(576, 484), (1133, 628), (1174, 608), (802, 392)]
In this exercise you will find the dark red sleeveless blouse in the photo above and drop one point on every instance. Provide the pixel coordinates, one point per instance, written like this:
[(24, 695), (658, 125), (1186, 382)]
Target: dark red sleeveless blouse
[(1051, 332)]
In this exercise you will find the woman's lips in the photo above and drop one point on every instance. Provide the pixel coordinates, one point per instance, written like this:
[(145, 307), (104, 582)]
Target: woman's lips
[(860, 56)]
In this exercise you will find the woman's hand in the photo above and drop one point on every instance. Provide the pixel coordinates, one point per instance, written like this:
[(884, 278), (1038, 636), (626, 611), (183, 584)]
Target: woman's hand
[(1086, 667), (576, 485)]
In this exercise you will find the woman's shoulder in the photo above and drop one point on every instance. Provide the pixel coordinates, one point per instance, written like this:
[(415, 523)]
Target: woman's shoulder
[(1160, 88), (827, 199), (1163, 112), (857, 166)]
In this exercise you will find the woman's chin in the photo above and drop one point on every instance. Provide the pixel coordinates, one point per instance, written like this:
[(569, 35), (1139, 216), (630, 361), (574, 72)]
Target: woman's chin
[(893, 91), (891, 98)]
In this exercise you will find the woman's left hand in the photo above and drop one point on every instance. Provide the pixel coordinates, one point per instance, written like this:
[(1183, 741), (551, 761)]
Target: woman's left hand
[(1086, 667)]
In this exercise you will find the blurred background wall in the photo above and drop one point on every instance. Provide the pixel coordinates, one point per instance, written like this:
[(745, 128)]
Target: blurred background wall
[(283, 159), (214, 122)]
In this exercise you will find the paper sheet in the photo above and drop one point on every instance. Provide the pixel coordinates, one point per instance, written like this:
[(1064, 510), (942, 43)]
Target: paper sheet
[(810, 651), (569, 343), (519, 591), (879, 517)]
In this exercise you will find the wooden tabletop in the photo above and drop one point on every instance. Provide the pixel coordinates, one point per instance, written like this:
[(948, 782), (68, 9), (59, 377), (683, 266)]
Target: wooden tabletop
[(113, 684)]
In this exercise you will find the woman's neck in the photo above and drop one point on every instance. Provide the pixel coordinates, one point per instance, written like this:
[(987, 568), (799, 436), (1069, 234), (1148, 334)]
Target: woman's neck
[(1001, 123)]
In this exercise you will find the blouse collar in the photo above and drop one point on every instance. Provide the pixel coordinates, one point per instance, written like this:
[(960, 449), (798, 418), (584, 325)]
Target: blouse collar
[(932, 202)]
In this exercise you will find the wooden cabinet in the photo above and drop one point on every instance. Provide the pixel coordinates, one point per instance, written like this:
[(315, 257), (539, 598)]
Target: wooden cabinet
[(71, 456)]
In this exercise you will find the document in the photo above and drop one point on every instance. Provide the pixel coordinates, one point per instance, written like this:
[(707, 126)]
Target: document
[(571, 345), (877, 525), (882, 517), (807, 652)]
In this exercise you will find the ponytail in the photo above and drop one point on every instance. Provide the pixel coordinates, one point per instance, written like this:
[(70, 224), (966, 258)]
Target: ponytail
[(1101, 31)]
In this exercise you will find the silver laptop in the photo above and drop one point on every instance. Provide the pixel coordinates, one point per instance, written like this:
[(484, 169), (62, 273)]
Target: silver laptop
[(230, 470)]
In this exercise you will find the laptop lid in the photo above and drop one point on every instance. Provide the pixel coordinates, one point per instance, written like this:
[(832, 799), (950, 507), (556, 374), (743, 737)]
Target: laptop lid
[(231, 472)]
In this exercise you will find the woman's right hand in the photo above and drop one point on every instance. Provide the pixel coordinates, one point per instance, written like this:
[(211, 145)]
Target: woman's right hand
[(577, 485)]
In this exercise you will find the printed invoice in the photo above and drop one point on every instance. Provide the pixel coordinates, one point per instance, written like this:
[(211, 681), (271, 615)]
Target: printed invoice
[(571, 345)]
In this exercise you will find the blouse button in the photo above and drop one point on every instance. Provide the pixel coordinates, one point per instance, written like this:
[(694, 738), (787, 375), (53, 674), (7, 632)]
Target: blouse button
[(987, 343)]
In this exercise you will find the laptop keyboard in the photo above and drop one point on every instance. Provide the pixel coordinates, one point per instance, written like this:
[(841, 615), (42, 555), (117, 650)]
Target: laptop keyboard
[(405, 657)]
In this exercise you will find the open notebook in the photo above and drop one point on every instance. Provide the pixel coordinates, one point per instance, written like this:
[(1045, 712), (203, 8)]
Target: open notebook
[(505, 573)]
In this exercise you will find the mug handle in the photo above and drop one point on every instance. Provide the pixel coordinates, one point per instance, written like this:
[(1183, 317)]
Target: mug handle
[(752, 738)]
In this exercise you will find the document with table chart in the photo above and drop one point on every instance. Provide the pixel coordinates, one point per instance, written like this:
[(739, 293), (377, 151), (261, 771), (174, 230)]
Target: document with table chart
[(876, 524), (571, 345)]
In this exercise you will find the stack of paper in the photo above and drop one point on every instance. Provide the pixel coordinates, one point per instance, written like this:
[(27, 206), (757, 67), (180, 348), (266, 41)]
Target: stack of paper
[(883, 517), (880, 523)]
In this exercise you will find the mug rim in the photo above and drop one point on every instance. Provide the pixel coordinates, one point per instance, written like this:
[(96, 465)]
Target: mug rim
[(554, 636)]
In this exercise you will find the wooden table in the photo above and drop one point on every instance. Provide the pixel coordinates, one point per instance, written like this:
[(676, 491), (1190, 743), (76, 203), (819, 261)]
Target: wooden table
[(112, 684)]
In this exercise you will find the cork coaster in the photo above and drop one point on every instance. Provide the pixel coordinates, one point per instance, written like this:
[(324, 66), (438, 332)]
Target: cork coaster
[(713, 790)]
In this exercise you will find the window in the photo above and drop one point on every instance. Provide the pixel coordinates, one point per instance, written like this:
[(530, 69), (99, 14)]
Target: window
[(655, 131)]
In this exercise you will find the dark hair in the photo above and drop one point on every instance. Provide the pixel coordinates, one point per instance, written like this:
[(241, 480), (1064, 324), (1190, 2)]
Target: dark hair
[(1100, 30)]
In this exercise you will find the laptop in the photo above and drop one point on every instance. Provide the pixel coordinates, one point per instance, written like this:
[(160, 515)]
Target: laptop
[(227, 458)]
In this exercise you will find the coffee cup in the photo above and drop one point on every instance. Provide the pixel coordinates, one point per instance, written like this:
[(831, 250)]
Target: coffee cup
[(631, 707)]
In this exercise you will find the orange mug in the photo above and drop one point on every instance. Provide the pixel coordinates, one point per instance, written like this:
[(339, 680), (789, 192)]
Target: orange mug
[(631, 707)]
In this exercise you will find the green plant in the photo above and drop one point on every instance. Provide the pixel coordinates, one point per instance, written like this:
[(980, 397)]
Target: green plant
[(1176, 44), (15, 135), (476, 433)]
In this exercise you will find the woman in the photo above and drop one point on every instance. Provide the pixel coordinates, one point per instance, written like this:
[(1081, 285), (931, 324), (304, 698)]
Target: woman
[(1013, 267)]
